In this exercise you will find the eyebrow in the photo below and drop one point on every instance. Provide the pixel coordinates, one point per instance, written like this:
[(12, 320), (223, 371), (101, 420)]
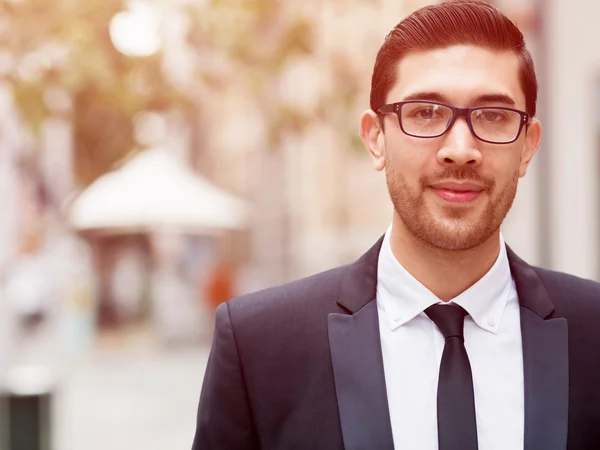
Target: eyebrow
[(481, 100)]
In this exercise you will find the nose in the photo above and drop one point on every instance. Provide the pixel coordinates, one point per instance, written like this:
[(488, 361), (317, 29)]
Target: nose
[(459, 147)]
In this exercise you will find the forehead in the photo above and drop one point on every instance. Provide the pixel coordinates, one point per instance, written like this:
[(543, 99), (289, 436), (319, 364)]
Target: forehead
[(459, 74)]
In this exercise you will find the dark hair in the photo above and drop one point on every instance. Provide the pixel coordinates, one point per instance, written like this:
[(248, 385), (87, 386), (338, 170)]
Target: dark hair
[(454, 22)]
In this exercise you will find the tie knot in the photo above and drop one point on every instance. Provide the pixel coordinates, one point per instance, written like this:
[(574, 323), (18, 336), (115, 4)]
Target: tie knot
[(449, 319)]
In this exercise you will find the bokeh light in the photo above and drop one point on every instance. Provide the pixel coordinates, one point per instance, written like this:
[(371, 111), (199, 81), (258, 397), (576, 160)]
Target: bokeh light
[(135, 32)]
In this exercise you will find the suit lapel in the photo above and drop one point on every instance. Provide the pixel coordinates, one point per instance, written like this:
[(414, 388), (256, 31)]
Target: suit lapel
[(359, 380), (357, 360), (545, 362), (358, 363)]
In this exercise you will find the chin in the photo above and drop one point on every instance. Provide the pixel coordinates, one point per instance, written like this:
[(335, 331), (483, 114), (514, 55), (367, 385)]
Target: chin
[(458, 241), (464, 231)]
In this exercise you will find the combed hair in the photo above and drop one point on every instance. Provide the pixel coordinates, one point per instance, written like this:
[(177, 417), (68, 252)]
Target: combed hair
[(454, 22)]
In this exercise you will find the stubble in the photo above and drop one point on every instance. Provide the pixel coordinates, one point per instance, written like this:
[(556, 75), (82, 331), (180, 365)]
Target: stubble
[(450, 227)]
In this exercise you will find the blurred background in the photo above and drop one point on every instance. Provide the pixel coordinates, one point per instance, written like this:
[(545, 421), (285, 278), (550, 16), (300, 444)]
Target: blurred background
[(158, 157)]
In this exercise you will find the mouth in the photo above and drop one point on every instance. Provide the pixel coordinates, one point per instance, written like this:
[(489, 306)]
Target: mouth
[(457, 193), (452, 196)]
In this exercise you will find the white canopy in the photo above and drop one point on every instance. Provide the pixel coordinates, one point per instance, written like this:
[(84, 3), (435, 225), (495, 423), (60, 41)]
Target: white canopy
[(155, 191)]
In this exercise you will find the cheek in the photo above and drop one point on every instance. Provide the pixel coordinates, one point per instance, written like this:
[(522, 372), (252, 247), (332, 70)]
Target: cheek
[(406, 170), (410, 157), (502, 168)]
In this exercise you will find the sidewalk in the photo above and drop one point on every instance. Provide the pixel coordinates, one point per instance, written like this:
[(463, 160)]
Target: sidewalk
[(130, 394)]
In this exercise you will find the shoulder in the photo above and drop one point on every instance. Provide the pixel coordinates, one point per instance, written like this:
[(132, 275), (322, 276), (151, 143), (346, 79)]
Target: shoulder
[(316, 292), (281, 321), (564, 283), (571, 294)]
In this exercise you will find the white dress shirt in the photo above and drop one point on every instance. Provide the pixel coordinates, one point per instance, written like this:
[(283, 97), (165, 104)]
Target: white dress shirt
[(412, 349)]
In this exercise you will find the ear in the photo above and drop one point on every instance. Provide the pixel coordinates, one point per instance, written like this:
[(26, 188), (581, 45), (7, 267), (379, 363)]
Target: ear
[(371, 133), (533, 139)]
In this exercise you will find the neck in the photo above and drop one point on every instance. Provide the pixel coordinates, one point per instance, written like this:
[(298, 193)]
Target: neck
[(446, 273)]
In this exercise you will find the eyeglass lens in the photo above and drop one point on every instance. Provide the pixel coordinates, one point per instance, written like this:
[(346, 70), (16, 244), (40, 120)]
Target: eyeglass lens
[(430, 120)]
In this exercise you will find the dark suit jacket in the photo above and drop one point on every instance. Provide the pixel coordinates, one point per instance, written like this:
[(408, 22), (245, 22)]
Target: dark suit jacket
[(299, 367)]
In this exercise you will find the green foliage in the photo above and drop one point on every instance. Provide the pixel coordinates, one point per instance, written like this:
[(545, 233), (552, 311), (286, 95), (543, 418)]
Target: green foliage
[(258, 38), (66, 44)]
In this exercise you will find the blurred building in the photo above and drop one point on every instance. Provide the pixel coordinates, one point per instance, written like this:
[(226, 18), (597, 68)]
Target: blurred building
[(572, 135)]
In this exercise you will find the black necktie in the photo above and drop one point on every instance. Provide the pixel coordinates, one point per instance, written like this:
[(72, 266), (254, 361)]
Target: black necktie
[(457, 429)]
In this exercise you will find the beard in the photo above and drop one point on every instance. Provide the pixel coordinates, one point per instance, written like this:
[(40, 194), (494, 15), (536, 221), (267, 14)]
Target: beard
[(453, 227)]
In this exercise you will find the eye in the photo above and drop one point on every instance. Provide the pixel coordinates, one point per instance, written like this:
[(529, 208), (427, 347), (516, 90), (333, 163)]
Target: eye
[(426, 112), (491, 115)]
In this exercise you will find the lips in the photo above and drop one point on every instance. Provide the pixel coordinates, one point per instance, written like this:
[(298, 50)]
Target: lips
[(457, 192), (457, 196)]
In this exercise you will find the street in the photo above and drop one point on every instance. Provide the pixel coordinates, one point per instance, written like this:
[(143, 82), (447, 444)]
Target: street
[(130, 393)]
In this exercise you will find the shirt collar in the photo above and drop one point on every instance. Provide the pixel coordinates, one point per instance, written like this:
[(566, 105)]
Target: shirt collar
[(402, 297)]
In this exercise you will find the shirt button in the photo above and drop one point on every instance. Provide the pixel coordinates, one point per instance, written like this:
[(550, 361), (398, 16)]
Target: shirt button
[(491, 322), (397, 318)]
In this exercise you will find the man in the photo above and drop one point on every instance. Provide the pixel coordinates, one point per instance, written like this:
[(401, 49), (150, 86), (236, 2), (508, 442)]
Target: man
[(439, 337)]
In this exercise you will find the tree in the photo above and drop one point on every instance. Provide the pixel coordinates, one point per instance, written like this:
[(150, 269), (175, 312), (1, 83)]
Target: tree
[(64, 46)]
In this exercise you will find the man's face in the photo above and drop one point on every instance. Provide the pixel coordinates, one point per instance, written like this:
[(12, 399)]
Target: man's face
[(453, 191)]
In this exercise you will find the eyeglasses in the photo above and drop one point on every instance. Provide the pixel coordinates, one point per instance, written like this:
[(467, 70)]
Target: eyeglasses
[(424, 119)]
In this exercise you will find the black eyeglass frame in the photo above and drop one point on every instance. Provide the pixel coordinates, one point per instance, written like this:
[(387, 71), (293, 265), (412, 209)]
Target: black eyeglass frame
[(395, 108)]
